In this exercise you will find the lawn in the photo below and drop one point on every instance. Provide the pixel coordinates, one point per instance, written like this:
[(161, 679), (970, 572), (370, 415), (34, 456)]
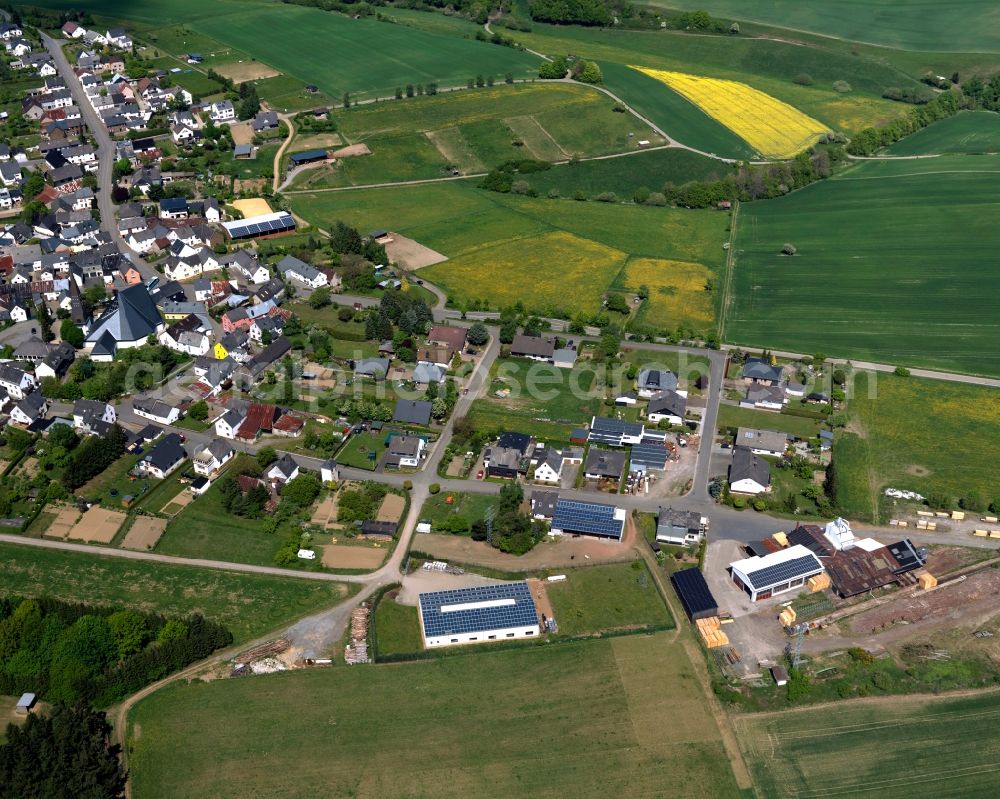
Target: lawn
[(472, 507), (204, 529), (970, 132), (914, 282), (799, 426), (337, 54), (544, 401), (248, 604), (904, 749), (397, 628), (594, 730), (600, 599), (927, 436), (359, 448)]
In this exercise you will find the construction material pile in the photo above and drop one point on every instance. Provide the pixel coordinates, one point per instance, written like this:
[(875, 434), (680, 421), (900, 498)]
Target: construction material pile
[(357, 651), (266, 653), (712, 635)]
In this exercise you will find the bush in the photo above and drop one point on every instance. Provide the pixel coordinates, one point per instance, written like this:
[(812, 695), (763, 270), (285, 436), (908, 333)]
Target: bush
[(901, 371), (434, 488), (788, 249), (407, 485), (345, 314), (803, 79), (607, 197), (841, 86)]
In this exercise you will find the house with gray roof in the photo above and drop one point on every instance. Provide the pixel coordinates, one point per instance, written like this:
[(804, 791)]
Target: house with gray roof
[(291, 268), (749, 473), (412, 412), (127, 322)]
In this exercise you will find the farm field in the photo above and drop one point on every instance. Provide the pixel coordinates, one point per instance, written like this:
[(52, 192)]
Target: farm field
[(484, 233), (898, 288), (335, 52), (473, 131), (248, 604), (927, 436), (769, 126), (799, 753), (970, 132), (971, 25), (768, 64), (601, 722), (607, 598), (652, 169)]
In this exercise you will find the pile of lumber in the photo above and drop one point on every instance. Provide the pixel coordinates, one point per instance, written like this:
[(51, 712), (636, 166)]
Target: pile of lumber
[(710, 632), (357, 650)]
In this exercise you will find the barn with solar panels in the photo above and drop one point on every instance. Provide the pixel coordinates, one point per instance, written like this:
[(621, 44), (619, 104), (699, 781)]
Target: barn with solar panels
[(254, 227), (781, 571), (483, 613), (573, 517)]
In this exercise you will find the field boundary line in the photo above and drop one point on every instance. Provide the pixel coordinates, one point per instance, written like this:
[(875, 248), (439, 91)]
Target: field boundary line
[(730, 268)]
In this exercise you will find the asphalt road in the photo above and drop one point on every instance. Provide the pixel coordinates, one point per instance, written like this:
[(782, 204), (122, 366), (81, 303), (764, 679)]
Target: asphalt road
[(105, 154)]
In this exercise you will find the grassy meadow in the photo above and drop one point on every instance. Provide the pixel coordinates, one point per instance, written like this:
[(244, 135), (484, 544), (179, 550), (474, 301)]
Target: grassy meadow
[(970, 132), (799, 426), (506, 249), (894, 263), (437, 728), (397, 628), (248, 604), (969, 25), (608, 598), (473, 131), (929, 436), (904, 749)]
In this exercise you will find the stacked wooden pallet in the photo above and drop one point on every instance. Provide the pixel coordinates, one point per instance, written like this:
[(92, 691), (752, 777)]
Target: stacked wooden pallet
[(710, 632)]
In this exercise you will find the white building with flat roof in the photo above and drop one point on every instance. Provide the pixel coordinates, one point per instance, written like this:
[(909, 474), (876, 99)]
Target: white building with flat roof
[(481, 614)]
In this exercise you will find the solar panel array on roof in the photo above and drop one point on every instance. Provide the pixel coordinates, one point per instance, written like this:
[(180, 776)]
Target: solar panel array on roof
[(649, 455), (590, 518), (260, 226), (478, 609), (604, 430), (694, 593), (784, 572)]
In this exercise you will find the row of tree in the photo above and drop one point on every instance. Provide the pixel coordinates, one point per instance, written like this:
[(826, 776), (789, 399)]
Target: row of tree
[(93, 456)]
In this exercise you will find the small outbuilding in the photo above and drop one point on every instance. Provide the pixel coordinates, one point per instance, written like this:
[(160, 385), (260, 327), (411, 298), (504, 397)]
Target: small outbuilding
[(695, 595), (26, 704)]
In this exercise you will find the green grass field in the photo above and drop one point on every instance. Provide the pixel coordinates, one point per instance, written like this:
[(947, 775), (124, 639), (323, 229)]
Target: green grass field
[(970, 132), (652, 170), (474, 131), (970, 25), (579, 719), (248, 604), (894, 264), (472, 507), (518, 238), (397, 628), (734, 416), (337, 54), (544, 401), (600, 599), (903, 749), (927, 436)]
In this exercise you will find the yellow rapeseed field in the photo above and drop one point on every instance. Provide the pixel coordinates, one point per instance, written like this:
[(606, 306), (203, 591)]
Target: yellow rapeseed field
[(773, 128), (678, 292), (550, 271)]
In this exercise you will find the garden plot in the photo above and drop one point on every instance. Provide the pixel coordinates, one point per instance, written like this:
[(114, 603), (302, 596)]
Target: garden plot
[(176, 504), (242, 71), (412, 254), (345, 556), (391, 509), (63, 523), (144, 533), (98, 525)]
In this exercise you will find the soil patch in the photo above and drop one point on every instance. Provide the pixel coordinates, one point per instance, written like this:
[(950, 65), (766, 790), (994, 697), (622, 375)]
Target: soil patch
[(254, 207), (63, 523), (391, 509), (412, 254), (144, 533), (178, 503), (242, 133), (325, 514), (345, 556), (318, 141), (243, 71), (351, 151), (97, 525), (917, 470)]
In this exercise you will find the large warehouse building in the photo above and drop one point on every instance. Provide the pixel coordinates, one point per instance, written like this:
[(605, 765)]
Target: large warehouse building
[(498, 612)]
